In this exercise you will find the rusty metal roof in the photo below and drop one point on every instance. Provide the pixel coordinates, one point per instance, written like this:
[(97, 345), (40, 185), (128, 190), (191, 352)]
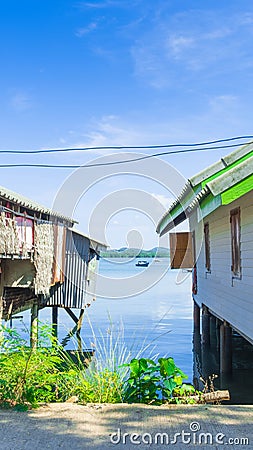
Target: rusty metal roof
[(25, 202)]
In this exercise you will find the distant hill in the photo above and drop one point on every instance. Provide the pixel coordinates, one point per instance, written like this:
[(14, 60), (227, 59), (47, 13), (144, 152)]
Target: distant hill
[(124, 252)]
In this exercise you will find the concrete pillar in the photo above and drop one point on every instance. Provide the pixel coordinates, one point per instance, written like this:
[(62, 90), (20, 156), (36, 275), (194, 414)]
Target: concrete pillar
[(205, 326), (34, 324), (196, 317), (55, 321), (225, 348)]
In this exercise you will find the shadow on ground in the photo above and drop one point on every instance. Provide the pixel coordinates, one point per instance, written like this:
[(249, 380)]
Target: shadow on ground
[(67, 426)]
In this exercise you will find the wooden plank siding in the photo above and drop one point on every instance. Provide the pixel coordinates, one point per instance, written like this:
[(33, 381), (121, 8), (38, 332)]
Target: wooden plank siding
[(227, 297), (181, 250)]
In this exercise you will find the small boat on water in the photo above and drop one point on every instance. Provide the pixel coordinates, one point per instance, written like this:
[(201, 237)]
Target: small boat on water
[(142, 264)]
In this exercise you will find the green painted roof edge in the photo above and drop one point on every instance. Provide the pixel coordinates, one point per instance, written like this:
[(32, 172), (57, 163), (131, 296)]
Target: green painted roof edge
[(210, 204), (229, 195), (218, 167), (227, 168), (237, 191), (179, 206)]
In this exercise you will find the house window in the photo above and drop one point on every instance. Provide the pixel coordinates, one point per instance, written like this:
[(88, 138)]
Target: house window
[(235, 241), (207, 247)]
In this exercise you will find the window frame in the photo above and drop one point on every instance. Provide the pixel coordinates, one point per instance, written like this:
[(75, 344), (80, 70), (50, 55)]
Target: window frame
[(235, 232), (207, 247)]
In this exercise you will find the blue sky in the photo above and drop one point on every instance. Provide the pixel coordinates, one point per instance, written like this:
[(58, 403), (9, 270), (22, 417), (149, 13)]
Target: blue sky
[(116, 72)]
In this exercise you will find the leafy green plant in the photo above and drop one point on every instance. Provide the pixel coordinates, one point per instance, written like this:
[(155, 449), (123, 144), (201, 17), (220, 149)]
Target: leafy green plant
[(149, 382), (48, 374), (32, 376)]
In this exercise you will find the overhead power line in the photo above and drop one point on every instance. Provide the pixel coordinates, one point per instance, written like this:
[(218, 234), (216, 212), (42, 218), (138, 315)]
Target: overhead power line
[(124, 147), (194, 148)]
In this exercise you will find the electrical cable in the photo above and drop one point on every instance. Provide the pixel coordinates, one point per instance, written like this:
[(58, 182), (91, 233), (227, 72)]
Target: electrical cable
[(124, 161), (123, 147)]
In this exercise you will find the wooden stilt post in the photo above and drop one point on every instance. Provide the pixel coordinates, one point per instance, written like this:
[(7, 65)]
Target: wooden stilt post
[(78, 331), (218, 323), (225, 348), (213, 339), (196, 317), (197, 358), (1, 305), (55, 321), (1, 294), (34, 324), (205, 326)]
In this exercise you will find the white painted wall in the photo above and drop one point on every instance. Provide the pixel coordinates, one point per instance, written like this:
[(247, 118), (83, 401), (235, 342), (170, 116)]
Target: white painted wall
[(231, 299)]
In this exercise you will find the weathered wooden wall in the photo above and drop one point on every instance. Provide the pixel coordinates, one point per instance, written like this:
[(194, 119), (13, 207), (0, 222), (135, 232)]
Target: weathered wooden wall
[(16, 299)]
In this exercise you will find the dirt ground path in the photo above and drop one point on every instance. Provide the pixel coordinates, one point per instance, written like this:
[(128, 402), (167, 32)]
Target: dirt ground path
[(70, 426)]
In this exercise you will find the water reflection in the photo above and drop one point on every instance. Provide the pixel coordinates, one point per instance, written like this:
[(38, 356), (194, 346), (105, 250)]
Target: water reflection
[(206, 363)]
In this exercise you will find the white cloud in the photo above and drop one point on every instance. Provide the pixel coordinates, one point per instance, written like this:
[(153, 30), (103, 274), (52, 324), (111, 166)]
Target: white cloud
[(219, 33), (110, 131), (176, 47), (104, 4), (86, 30), (225, 101), (179, 44), (20, 101), (165, 201)]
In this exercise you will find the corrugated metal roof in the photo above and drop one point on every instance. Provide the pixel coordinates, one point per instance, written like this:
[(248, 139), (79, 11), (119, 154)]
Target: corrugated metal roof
[(206, 173), (216, 186), (238, 154), (224, 162), (12, 196), (232, 177), (97, 245)]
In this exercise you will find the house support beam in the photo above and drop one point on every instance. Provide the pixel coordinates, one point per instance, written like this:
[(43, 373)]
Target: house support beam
[(196, 317), (55, 321), (197, 358), (218, 324), (78, 331), (205, 326), (34, 324), (1, 293), (1, 303), (225, 348), (213, 337), (72, 315)]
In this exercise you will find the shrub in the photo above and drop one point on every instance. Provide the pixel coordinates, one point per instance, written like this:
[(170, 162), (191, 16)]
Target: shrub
[(33, 375), (149, 382)]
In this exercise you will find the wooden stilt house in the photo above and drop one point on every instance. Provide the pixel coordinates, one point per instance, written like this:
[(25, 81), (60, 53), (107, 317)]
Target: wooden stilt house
[(219, 247), (43, 260)]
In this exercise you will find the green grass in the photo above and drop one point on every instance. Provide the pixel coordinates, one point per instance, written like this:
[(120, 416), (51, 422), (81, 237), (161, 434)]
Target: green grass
[(29, 377)]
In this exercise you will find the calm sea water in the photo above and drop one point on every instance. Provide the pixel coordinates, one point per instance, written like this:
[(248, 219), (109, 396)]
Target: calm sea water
[(159, 319)]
